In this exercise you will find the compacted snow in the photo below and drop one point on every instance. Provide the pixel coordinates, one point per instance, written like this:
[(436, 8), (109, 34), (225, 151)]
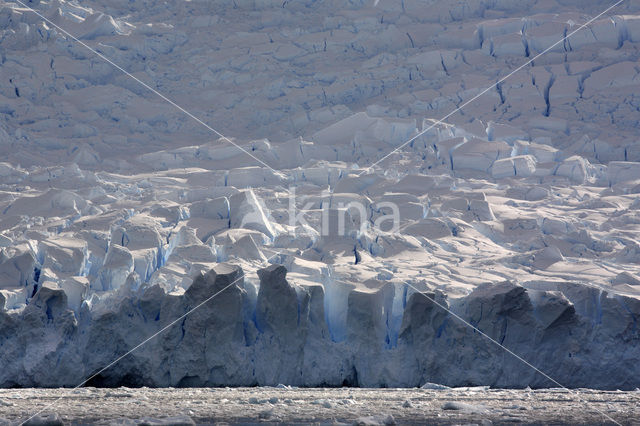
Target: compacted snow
[(519, 215)]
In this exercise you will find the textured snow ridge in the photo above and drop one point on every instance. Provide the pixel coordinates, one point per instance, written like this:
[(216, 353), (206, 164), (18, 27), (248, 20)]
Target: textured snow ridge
[(281, 336), (283, 70)]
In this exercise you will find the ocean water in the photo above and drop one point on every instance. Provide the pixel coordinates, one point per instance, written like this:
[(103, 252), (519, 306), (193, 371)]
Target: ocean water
[(437, 405)]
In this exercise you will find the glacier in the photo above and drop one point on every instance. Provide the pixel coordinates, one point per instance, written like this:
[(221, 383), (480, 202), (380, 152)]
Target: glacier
[(120, 217), (281, 335)]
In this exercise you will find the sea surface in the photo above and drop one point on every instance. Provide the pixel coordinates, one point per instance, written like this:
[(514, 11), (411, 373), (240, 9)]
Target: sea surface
[(433, 405)]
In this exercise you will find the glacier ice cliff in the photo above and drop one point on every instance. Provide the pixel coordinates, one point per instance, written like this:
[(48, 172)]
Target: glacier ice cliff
[(520, 213), (580, 336)]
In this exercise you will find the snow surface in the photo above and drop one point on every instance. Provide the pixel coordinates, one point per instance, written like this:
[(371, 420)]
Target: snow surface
[(119, 214)]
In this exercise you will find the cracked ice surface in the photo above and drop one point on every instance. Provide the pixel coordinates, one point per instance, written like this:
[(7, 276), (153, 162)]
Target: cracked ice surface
[(520, 213)]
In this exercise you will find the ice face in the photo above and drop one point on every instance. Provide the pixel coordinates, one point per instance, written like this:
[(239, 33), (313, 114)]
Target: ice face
[(284, 338)]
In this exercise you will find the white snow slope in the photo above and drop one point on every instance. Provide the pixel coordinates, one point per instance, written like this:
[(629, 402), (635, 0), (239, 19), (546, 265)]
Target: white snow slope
[(520, 214)]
